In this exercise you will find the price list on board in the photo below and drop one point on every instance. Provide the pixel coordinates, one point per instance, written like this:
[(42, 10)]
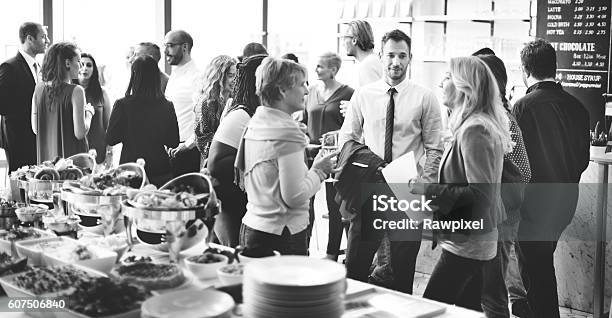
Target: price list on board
[(579, 30)]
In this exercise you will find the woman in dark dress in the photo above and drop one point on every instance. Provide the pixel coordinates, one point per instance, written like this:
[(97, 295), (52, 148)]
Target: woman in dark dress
[(145, 122), (322, 116), (96, 96), (60, 118)]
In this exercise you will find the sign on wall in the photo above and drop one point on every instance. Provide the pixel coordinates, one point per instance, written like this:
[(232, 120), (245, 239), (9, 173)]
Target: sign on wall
[(579, 30)]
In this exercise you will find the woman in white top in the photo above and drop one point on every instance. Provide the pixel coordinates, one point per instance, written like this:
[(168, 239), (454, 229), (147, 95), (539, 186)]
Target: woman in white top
[(223, 148), (271, 163)]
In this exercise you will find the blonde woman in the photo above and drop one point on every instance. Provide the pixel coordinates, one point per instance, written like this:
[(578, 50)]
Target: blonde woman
[(218, 84), (469, 182), (271, 163)]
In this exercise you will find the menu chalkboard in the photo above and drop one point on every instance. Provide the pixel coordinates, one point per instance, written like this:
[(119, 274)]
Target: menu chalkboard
[(579, 30)]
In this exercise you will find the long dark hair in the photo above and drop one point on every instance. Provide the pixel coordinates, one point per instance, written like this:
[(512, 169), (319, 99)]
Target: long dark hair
[(499, 71), (145, 80), (244, 90), (93, 92), (54, 66)]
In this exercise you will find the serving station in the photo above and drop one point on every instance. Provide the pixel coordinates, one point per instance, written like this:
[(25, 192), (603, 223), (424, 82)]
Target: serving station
[(103, 243)]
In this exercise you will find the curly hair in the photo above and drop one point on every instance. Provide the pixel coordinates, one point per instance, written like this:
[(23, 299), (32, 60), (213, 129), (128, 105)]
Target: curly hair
[(93, 92), (215, 76), (54, 66), (244, 90)]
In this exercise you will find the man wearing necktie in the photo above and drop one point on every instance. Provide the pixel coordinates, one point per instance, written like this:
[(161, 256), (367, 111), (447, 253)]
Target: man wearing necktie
[(18, 76), (393, 116)]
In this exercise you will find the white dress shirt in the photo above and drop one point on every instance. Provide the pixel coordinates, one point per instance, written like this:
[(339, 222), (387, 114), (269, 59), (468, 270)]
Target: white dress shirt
[(416, 126), (369, 70), (182, 88), (31, 61)]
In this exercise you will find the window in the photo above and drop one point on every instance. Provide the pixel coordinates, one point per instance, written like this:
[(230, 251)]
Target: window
[(106, 30), (218, 27), (12, 15)]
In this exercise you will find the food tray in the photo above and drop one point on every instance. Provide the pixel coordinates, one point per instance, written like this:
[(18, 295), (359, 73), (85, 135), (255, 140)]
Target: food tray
[(14, 291), (5, 245), (34, 255), (89, 199), (159, 215), (104, 261), (37, 257)]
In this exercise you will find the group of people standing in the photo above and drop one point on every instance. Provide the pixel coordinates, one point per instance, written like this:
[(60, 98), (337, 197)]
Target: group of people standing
[(237, 118)]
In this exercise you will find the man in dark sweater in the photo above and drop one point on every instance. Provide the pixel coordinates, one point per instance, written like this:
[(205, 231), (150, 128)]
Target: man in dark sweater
[(555, 129)]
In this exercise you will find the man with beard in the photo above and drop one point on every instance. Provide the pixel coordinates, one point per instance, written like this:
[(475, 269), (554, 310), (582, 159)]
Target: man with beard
[(18, 76), (393, 116), (181, 91)]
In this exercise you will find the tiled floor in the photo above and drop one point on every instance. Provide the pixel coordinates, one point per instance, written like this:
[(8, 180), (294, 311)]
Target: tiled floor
[(319, 241)]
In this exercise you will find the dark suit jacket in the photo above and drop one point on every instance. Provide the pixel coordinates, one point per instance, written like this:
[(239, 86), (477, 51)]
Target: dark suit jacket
[(16, 89)]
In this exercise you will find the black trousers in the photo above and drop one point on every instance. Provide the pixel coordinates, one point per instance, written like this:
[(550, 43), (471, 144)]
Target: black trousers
[(185, 162), (536, 260), (457, 281), (286, 243), (363, 246), (335, 221)]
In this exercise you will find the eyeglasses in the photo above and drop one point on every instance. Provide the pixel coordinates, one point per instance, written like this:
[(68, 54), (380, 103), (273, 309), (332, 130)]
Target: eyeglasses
[(170, 45)]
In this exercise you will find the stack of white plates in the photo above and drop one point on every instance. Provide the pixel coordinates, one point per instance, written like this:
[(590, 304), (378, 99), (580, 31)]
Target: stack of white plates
[(293, 286)]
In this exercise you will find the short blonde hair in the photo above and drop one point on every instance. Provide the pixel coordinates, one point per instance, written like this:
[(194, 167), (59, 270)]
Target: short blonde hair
[(275, 74), (332, 60)]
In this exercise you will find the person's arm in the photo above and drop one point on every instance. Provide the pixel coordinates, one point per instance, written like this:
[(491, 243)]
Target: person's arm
[(106, 108), (352, 128), (221, 159), (297, 183), (479, 156), (431, 123), (34, 115), (7, 88), (116, 127), (172, 137), (80, 118)]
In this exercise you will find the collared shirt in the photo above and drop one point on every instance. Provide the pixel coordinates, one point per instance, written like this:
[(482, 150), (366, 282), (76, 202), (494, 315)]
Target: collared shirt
[(417, 123), (278, 190), (31, 61), (542, 114), (369, 70), (182, 90)]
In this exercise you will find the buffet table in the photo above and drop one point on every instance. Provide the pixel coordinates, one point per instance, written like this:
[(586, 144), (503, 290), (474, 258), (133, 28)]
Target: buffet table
[(354, 289)]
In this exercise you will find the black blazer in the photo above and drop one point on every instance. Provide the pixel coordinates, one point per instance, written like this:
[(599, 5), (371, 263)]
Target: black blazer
[(16, 89)]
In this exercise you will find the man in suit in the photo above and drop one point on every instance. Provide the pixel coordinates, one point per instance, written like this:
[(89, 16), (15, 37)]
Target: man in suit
[(18, 76)]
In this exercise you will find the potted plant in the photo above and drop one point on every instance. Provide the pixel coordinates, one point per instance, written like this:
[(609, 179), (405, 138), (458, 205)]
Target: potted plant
[(599, 141)]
